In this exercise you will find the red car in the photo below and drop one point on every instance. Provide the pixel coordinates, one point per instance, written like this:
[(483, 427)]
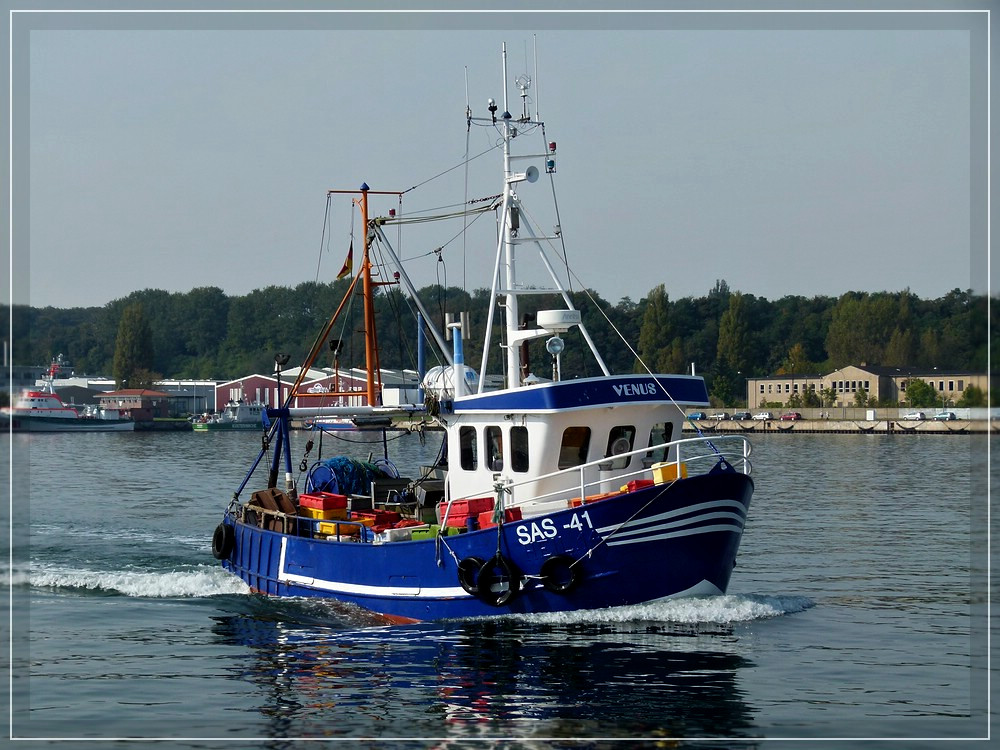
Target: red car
[(790, 416)]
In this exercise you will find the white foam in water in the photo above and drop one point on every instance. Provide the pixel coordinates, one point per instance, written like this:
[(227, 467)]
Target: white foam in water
[(720, 610), (196, 582)]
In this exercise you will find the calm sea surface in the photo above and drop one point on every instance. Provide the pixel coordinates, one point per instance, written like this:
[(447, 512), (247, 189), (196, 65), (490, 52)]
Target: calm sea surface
[(857, 610)]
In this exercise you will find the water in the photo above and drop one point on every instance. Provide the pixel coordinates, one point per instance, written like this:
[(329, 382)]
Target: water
[(856, 611)]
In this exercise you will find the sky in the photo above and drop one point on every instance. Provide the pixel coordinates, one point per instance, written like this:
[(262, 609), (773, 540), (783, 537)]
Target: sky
[(790, 156)]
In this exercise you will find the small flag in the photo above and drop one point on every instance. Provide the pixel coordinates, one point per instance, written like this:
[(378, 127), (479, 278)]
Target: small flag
[(348, 264)]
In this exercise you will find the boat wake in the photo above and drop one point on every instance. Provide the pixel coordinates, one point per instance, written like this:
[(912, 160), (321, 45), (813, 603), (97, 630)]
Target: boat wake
[(194, 582), (718, 610)]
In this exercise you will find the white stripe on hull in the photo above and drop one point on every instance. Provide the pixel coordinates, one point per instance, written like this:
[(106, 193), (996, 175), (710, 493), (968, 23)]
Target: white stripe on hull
[(413, 592)]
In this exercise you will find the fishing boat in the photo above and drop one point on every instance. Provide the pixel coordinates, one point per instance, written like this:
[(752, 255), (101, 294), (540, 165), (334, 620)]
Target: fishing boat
[(238, 415), (41, 410), (549, 494)]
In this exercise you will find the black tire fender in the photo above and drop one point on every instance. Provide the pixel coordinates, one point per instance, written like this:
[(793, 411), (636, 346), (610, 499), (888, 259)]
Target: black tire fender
[(559, 574), (499, 581), (223, 541), (468, 574)]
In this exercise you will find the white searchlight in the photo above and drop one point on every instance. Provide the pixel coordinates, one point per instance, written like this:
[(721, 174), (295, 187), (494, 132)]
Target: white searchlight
[(528, 175)]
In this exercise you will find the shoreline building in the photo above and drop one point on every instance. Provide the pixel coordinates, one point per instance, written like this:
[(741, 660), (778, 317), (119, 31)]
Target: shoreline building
[(884, 384)]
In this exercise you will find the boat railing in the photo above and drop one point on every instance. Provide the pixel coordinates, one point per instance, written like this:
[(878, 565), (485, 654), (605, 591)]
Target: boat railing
[(691, 456), (296, 525)]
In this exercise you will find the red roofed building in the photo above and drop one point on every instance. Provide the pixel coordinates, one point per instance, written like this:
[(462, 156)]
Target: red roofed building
[(141, 404)]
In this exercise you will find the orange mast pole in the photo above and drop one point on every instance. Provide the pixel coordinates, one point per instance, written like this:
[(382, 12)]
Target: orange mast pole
[(371, 344), (366, 291)]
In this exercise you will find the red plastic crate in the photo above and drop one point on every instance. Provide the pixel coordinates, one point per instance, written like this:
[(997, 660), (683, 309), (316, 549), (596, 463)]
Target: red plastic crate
[(638, 484), (510, 514), (471, 507), (375, 518), (323, 501)]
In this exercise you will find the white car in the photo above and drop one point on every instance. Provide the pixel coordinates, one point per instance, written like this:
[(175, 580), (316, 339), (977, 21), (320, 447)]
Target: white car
[(913, 416), (761, 416)]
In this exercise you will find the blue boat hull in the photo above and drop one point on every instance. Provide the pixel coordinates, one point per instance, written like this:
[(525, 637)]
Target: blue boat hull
[(658, 542)]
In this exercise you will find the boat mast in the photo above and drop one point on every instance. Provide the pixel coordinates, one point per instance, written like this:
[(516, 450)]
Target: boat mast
[(510, 206), (505, 290), (371, 349)]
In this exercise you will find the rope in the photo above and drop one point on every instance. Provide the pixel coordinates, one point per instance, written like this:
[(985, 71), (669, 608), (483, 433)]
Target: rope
[(622, 525), (323, 238), (480, 212), (451, 169)]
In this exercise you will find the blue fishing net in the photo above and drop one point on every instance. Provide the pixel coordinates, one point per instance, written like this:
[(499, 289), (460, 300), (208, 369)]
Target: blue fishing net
[(343, 476)]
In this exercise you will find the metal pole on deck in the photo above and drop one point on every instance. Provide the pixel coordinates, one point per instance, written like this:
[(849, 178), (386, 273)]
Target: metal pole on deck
[(421, 357)]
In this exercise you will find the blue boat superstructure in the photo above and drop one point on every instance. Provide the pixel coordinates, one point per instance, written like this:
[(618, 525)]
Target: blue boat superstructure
[(550, 494)]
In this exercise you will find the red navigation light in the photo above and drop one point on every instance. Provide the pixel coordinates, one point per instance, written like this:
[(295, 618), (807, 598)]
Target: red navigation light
[(552, 146)]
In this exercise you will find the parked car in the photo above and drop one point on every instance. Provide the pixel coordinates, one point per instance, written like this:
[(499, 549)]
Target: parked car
[(763, 415), (697, 415), (741, 415), (790, 416), (719, 416), (944, 416), (913, 416)]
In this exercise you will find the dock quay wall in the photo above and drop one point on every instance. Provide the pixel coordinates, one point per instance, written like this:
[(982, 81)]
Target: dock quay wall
[(855, 426)]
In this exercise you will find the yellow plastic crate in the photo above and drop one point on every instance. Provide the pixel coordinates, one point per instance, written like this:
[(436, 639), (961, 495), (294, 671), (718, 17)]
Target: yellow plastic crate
[(667, 472), (331, 529), (334, 514)]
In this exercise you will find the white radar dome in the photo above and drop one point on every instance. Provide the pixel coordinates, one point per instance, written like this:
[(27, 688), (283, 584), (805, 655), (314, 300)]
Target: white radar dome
[(440, 381)]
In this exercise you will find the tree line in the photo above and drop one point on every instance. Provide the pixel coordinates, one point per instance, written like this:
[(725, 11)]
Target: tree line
[(727, 335)]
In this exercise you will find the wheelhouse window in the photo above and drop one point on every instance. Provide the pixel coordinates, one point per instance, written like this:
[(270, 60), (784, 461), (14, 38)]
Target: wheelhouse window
[(467, 448), (574, 446), (620, 440), (662, 432), (494, 449), (519, 449)]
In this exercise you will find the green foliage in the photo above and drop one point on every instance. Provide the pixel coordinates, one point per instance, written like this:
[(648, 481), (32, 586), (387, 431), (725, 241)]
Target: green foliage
[(796, 363), (728, 335), (921, 394), (861, 328), (811, 399), (656, 332), (973, 396), (734, 348), (133, 349)]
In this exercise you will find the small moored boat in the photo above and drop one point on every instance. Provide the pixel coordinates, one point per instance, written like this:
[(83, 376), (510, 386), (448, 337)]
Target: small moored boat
[(41, 410), (237, 415)]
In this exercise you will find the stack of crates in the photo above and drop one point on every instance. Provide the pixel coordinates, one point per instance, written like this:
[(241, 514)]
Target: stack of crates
[(377, 519), (324, 507), (462, 510)]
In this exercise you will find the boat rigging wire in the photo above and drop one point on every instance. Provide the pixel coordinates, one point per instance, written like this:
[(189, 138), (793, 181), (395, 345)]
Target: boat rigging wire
[(640, 360), (465, 189), (480, 213), (451, 169), (555, 203), (323, 236), (437, 217)]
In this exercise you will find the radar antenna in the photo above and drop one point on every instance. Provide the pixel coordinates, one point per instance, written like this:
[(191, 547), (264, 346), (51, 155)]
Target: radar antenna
[(524, 83)]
